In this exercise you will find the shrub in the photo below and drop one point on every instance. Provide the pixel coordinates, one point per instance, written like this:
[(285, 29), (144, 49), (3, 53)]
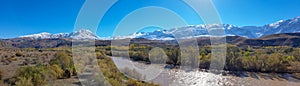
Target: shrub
[(24, 82), (58, 72), (63, 61), (19, 54), (132, 82), (101, 55), (12, 59), (37, 74), (1, 73)]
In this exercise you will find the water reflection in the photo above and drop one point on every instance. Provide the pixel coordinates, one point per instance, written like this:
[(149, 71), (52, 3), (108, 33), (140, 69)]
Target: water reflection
[(176, 77)]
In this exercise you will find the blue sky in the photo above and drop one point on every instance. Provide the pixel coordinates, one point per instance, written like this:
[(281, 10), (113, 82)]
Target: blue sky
[(23, 17)]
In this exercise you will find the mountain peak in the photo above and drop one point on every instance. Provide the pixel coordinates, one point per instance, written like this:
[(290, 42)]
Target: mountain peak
[(276, 24), (282, 26), (44, 33), (80, 34), (37, 36), (295, 20), (83, 34), (83, 31)]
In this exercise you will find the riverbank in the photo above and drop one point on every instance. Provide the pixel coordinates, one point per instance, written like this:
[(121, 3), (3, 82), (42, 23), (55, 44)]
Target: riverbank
[(176, 77)]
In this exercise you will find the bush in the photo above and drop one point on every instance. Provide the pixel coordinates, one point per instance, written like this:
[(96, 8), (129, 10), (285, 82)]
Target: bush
[(174, 56), (19, 54), (101, 55), (33, 74), (12, 59), (24, 82), (38, 75), (1, 74), (132, 82), (58, 72), (65, 62)]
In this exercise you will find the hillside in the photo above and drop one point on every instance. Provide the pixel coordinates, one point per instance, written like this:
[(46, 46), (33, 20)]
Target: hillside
[(285, 39)]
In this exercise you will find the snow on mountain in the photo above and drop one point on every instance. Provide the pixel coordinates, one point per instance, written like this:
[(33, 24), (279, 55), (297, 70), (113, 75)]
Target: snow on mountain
[(81, 34), (282, 26), (204, 30), (276, 24), (38, 36), (189, 32)]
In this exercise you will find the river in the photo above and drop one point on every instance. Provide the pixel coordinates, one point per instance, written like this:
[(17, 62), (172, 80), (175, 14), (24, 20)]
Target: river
[(177, 77)]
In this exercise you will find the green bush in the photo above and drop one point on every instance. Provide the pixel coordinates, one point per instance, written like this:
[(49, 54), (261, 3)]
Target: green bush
[(65, 62), (132, 82), (57, 71), (22, 81), (37, 74)]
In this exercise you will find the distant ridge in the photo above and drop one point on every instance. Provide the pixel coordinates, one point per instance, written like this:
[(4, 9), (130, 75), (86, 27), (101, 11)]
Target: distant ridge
[(81, 34), (283, 39), (281, 26)]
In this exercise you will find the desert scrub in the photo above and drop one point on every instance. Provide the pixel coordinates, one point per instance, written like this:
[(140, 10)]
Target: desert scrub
[(1, 74), (115, 77), (38, 75), (12, 59), (19, 54), (22, 81)]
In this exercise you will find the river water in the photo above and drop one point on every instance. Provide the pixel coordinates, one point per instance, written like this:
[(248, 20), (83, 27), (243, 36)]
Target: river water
[(176, 77)]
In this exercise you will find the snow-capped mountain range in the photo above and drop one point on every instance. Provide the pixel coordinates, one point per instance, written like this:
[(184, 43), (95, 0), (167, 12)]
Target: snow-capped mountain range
[(80, 34), (282, 26)]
